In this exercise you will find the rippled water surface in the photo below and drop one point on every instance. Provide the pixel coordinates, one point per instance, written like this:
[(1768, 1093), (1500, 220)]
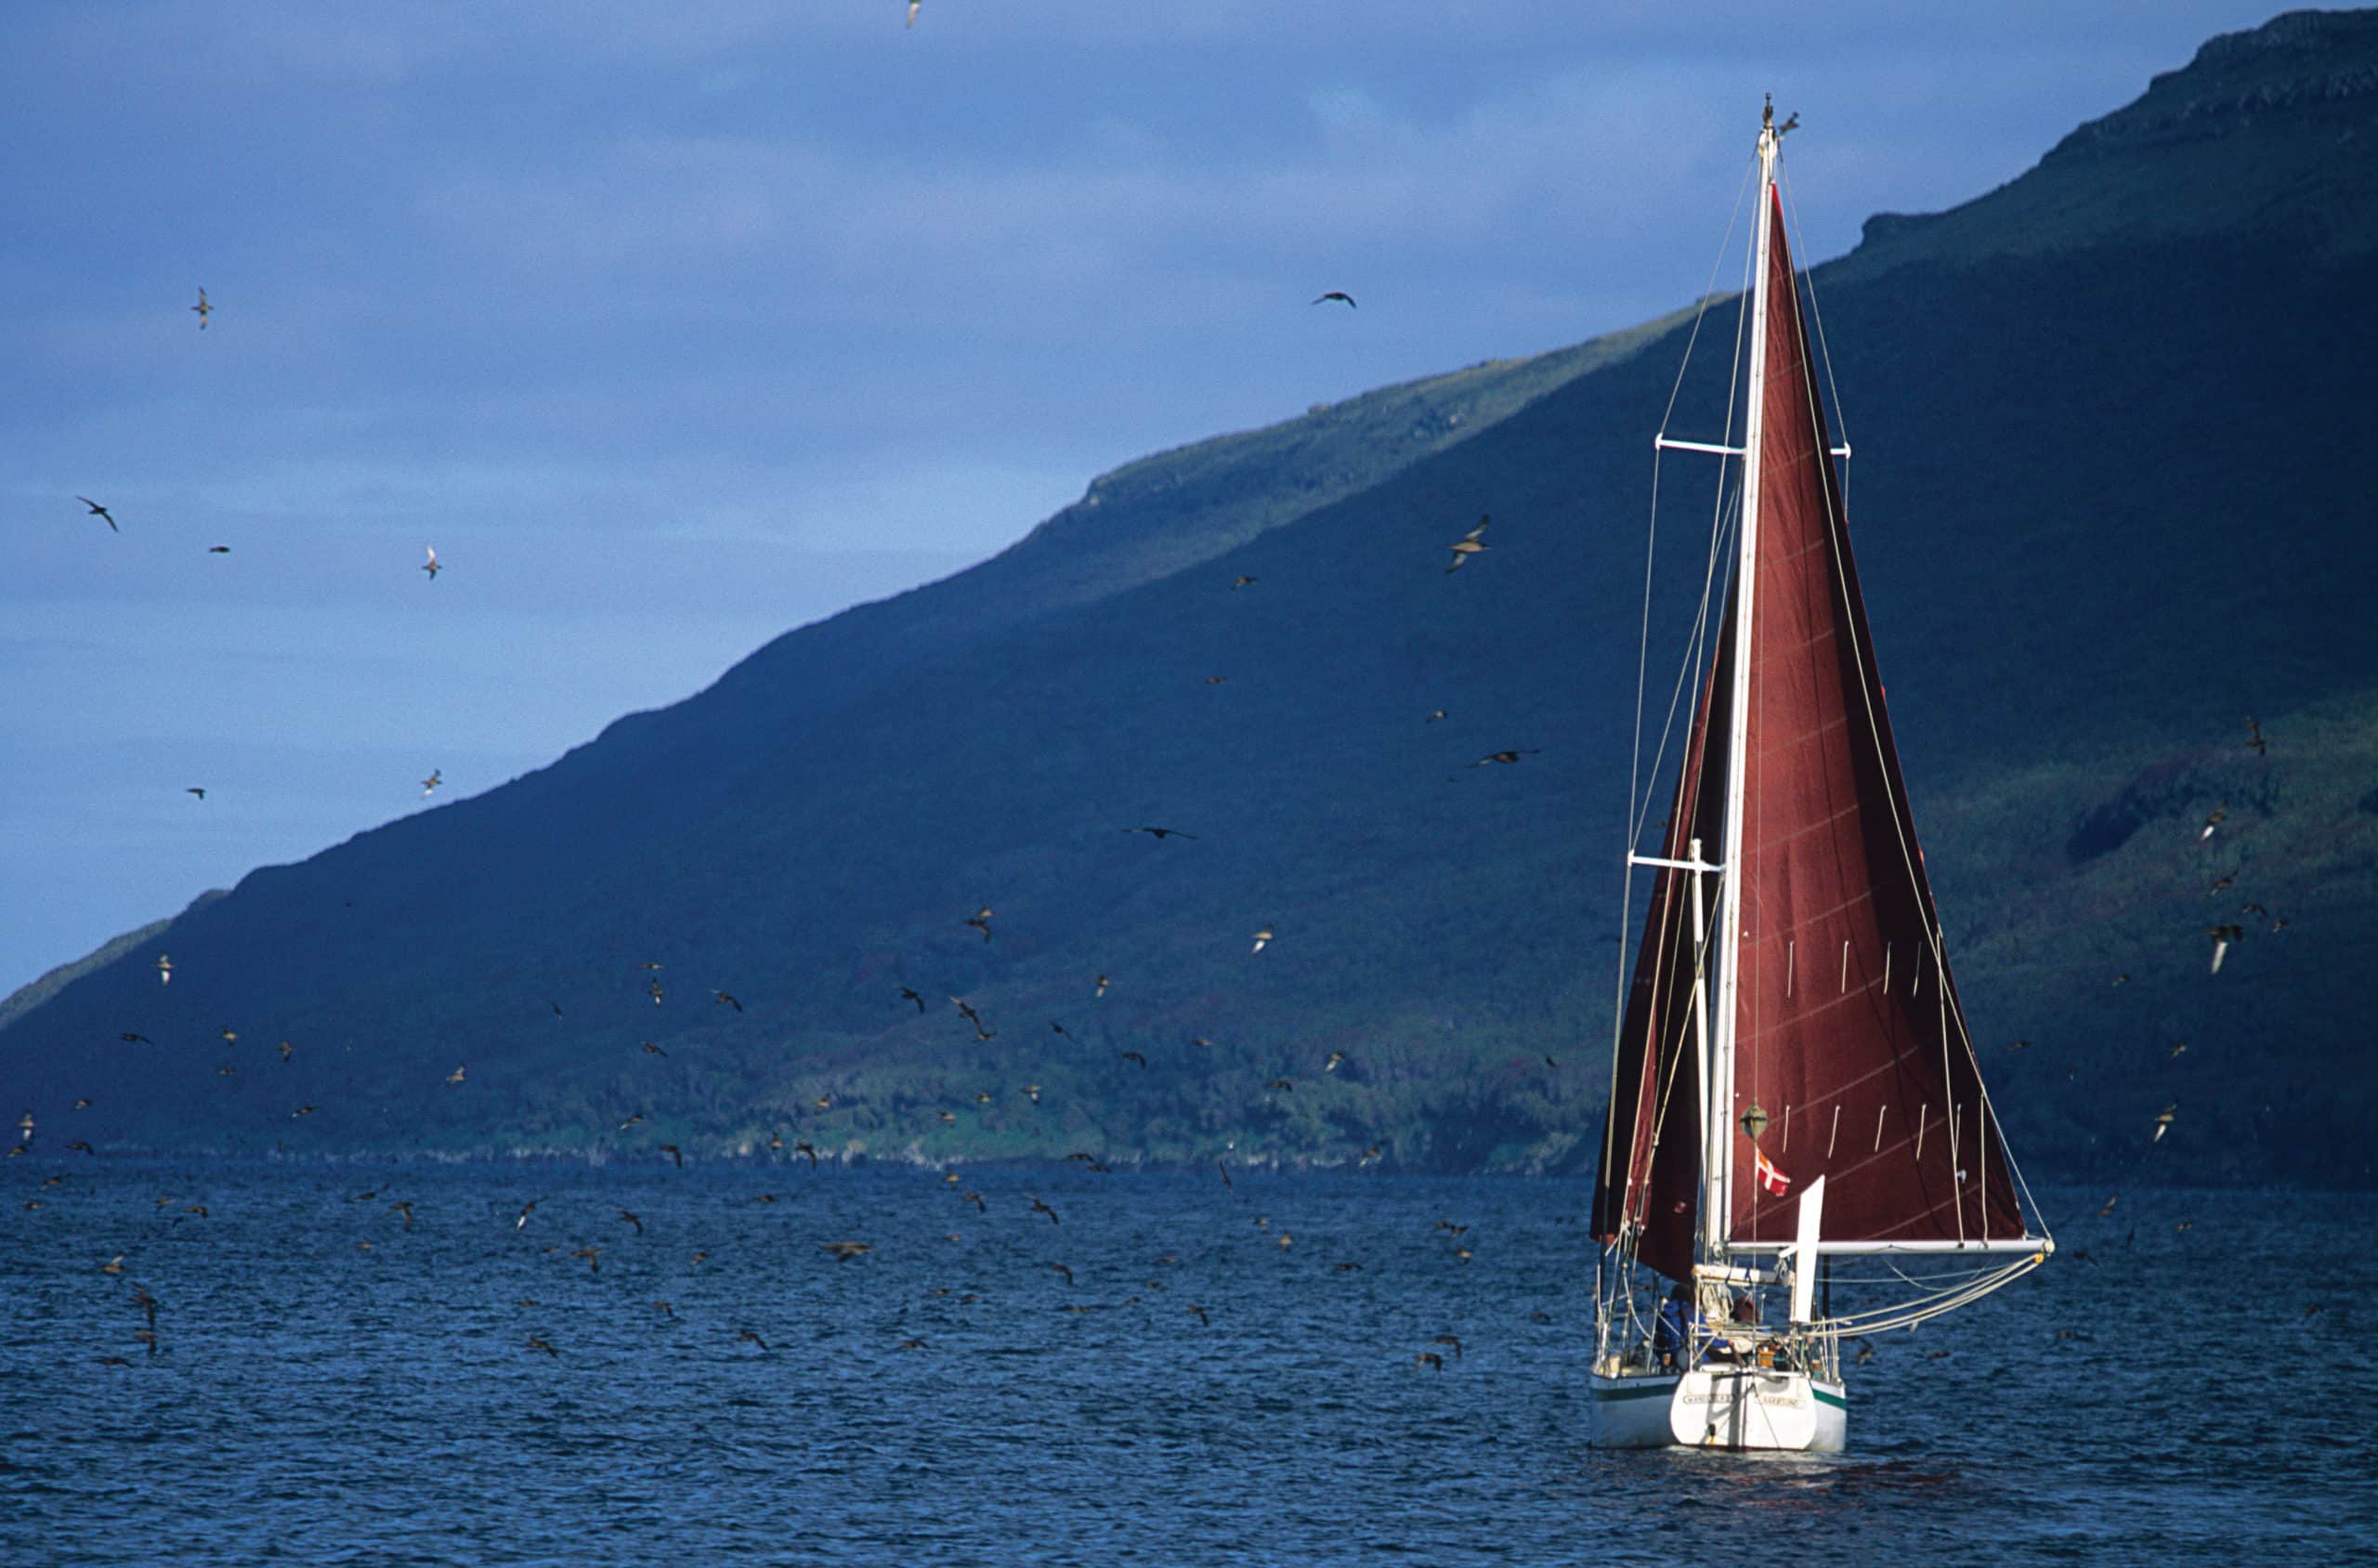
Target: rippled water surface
[(330, 1387)]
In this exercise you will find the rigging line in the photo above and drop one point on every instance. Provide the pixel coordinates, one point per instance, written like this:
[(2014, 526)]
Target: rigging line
[(1688, 679), (1816, 316), (1637, 791), (1708, 293)]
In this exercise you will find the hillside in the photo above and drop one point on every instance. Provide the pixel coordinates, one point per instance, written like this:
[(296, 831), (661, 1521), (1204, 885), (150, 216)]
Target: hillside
[(2105, 510)]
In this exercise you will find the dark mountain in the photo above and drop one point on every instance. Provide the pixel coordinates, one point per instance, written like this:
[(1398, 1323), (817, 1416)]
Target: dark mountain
[(2108, 422)]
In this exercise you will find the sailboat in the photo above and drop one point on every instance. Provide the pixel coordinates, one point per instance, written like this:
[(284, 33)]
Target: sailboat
[(1799, 1151)]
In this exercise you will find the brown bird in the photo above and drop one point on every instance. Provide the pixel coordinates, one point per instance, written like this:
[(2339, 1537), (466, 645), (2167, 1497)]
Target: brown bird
[(1280, 1083), (405, 1208), (675, 1153), (2212, 822), (137, 1039), (845, 1251), (1055, 1027), (593, 1256), (743, 1335), (1101, 983), (629, 1216), (1335, 1057), (1065, 1270), (2163, 1119), (980, 1031), (912, 1345), (724, 1000), (632, 1121), (907, 995), (287, 1051), (1449, 1339), (113, 1265), (2108, 1205), (1200, 1315), (2019, 1045), (99, 510), (431, 567), (1161, 833), (203, 310), (974, 1198), (1262, 939), (801, 1146), (79, 1146), (194, 790), (655, 991), (1218, 680), (1507, 757), (456, 1075), (1241, 582), (1133, 1056), (651, 1050), (1340, 296), (1429, 1358), (1041, 1207), (537, 1344), (2254, 734)]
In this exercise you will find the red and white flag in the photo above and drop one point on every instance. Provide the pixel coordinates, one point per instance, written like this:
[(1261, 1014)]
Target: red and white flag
[(1775, 1181)]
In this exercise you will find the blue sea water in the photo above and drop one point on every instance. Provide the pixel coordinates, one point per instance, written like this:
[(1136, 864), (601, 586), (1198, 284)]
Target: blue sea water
[(328, 1387)]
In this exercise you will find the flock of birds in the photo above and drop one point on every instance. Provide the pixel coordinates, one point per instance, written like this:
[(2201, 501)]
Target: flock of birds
[(1462, 552)]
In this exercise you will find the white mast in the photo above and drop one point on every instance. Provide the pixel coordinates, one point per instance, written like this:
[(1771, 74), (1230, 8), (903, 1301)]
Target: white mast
[(1718, 1114)]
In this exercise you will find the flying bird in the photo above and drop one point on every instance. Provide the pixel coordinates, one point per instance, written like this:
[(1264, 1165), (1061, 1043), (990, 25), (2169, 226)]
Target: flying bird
[(1133, 1056), (2223, 937), (914, 7), (1467, 545), (203, 310), (1041, 1207), (1242, 582), (630, 1217), (726, 1000), (527, 1209), (1506, 758), (1062, 1268), (537, 1344), (1101, 983), (2212, 822), (801, 1146), (845, 1251), (746, 1335), (1338, 294), (164, 970), (908, 995), (219, 549), (1332, 1064), (1161, 833), (675, 1153), (2163, 1119), (2254, 734), (99, 510), (652, 1050), (194, 790), (436, 776), (1261, 938)]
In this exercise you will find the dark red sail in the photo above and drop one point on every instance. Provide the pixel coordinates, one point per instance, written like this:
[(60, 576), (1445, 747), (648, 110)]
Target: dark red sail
[(1650, 1161), (1849, 1037)]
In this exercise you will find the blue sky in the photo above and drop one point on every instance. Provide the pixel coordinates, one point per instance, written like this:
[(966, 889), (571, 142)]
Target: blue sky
[(673, 328)]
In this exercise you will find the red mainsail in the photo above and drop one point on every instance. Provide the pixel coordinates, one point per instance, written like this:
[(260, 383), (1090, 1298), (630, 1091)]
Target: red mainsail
[(1849, 1035)]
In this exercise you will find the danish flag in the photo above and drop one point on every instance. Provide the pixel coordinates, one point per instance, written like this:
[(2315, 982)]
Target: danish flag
[(1775, 1181)]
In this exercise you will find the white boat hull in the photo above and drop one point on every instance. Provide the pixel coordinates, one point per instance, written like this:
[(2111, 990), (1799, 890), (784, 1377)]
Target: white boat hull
[(1737, 1408)]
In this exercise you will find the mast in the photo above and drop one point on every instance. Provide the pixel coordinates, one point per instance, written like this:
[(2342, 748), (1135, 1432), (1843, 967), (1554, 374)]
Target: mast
[(1716, 1129)]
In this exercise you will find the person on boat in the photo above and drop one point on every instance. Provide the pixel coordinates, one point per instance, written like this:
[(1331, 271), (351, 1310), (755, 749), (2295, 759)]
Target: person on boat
[(1676, 1316)]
